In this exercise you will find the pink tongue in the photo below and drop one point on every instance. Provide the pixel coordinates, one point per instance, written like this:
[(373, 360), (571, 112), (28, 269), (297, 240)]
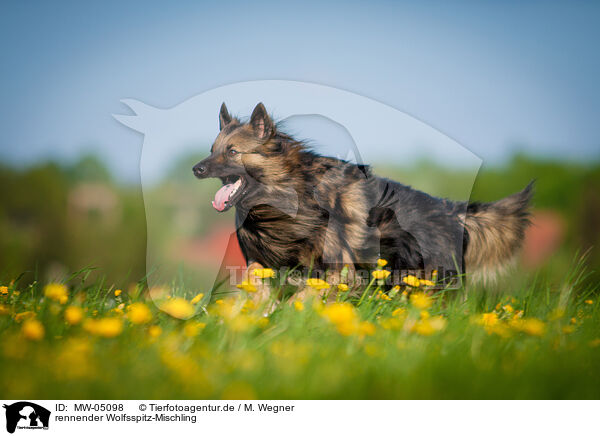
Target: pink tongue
[(222, 196)]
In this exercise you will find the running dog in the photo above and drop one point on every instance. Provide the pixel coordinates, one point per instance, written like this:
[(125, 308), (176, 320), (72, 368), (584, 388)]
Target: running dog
[(295, 207)]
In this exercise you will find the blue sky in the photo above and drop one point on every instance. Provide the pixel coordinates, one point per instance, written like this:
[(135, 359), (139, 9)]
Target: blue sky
[(494, 76)]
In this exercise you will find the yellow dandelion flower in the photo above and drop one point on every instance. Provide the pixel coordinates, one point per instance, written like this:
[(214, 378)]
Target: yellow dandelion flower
[(399, 311), (366, 328), (118, 292), (56, 291), (508, 308), (338, 313), (109, 327), (299, 306), (423, 282), (380, 274), (534, 327), (391, 323), (420, 300), (382, 296), (192, 329), (492, 324), (381, 263), (412, 281), (589, 301), (89, 325), (73, 315), (33, 330), (117, 311), (488, 319), (427, 327), (263, 273), (346, 328), (343, 287), (154, 331), (573, 320), (3, 290), (227, 308), (139, 313), (501, 329), (197, 298), (178, 308), (242, 322), (438, 322), (343, 316), (247, 286), (104, 327), (318, 284), (530, 326)]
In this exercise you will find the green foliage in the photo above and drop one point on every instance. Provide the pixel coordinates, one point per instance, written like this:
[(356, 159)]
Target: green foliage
[(532, 341), (55, 218)]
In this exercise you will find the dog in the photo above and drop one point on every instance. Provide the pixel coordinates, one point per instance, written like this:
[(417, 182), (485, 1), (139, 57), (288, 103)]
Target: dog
[(296, 208)]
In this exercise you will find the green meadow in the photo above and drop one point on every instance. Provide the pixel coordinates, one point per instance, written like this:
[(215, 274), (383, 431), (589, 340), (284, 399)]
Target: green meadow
[(85, 339)]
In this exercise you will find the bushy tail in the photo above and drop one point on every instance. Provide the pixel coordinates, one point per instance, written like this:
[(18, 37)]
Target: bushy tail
[(495, 233)]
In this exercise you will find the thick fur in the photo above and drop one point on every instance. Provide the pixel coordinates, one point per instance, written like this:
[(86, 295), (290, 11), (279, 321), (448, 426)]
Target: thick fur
[(347, 215), (495, 232)]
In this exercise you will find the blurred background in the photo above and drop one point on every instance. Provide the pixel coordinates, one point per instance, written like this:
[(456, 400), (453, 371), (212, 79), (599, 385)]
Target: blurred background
[(515, 84)]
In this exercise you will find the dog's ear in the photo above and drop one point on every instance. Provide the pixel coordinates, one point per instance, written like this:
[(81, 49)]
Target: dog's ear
[(261, 122), (224, 117)]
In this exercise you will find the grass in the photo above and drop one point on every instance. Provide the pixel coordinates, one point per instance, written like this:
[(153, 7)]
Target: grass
[(535, 340)]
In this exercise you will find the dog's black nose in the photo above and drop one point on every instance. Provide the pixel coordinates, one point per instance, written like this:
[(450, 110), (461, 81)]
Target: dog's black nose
[(199, 170)]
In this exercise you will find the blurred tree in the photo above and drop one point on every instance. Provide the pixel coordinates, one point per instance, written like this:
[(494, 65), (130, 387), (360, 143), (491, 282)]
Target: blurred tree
[(89, 168)]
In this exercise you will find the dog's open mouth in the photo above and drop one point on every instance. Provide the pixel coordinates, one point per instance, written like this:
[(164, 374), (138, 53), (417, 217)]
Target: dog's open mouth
[(230, 193)]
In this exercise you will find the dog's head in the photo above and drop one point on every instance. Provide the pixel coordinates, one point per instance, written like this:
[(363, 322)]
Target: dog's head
[(247, 157)]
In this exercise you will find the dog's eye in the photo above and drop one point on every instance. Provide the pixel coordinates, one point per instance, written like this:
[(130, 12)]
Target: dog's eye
[(232, 152)]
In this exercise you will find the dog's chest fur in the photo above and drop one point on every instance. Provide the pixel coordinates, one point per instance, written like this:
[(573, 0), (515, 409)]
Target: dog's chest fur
[(329, 227)]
